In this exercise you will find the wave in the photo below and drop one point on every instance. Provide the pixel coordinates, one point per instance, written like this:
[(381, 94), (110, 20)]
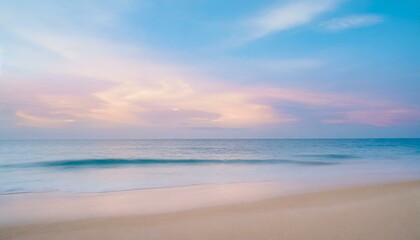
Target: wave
[(329, 156), (116, 162)]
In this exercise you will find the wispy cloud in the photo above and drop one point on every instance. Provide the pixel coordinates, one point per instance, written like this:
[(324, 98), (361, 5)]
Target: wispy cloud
[(376, 117), (352, 21), (42, 122), (95, 85), (125, 88), (285, 17), (67, 79)]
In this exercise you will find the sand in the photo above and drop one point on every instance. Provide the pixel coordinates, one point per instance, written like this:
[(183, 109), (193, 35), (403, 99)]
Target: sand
[(386, 211)]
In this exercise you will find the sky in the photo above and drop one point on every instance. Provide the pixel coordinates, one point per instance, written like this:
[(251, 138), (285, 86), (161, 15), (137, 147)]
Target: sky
[(209, 69)]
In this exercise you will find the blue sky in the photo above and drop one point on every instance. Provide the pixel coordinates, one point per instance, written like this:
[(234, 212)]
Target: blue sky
[(209, 69)]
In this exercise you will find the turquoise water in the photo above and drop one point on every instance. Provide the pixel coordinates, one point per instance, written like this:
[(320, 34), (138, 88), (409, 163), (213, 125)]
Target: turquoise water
[(115, 165)]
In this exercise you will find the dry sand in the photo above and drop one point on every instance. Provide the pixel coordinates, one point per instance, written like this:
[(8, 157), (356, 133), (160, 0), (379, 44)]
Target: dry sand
[(389, 211)]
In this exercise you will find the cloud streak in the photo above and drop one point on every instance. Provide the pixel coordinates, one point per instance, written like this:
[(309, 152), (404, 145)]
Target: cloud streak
[(288, 16), (352, 21), (376, 117)]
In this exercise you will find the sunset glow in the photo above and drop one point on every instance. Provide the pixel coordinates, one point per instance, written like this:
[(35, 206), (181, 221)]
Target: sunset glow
[(66, 67)]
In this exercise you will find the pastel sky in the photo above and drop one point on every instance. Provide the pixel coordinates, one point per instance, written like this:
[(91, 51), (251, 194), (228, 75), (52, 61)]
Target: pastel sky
[(209, 69)]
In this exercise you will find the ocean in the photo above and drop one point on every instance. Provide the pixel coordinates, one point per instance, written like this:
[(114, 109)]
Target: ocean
[(80, 166)]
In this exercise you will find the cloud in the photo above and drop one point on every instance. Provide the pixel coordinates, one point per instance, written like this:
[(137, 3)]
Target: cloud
[(95, 81), (83, 81), (377, 117), (105, 84), (29, 120), (285, 17), (352, 21)]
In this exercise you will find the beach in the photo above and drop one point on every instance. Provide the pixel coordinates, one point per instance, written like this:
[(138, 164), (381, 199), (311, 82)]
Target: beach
[(379, 211), (209, 120), (210, 189)]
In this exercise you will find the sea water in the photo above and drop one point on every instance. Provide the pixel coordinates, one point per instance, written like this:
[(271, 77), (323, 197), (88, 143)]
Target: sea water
[(117, 165)]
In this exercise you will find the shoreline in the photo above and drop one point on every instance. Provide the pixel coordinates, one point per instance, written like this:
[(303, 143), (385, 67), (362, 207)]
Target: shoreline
[(46, 207), (23, 209), (381, 211)]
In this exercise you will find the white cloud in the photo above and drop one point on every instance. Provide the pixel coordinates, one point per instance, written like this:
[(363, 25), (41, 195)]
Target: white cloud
[(352, 21), (288, 16)]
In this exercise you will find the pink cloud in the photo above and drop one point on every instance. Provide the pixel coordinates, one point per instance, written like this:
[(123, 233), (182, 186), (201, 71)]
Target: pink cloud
[(104, 84), (29, 120)]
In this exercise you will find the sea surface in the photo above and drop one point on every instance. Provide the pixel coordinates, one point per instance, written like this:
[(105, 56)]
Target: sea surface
[(79, 166)]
